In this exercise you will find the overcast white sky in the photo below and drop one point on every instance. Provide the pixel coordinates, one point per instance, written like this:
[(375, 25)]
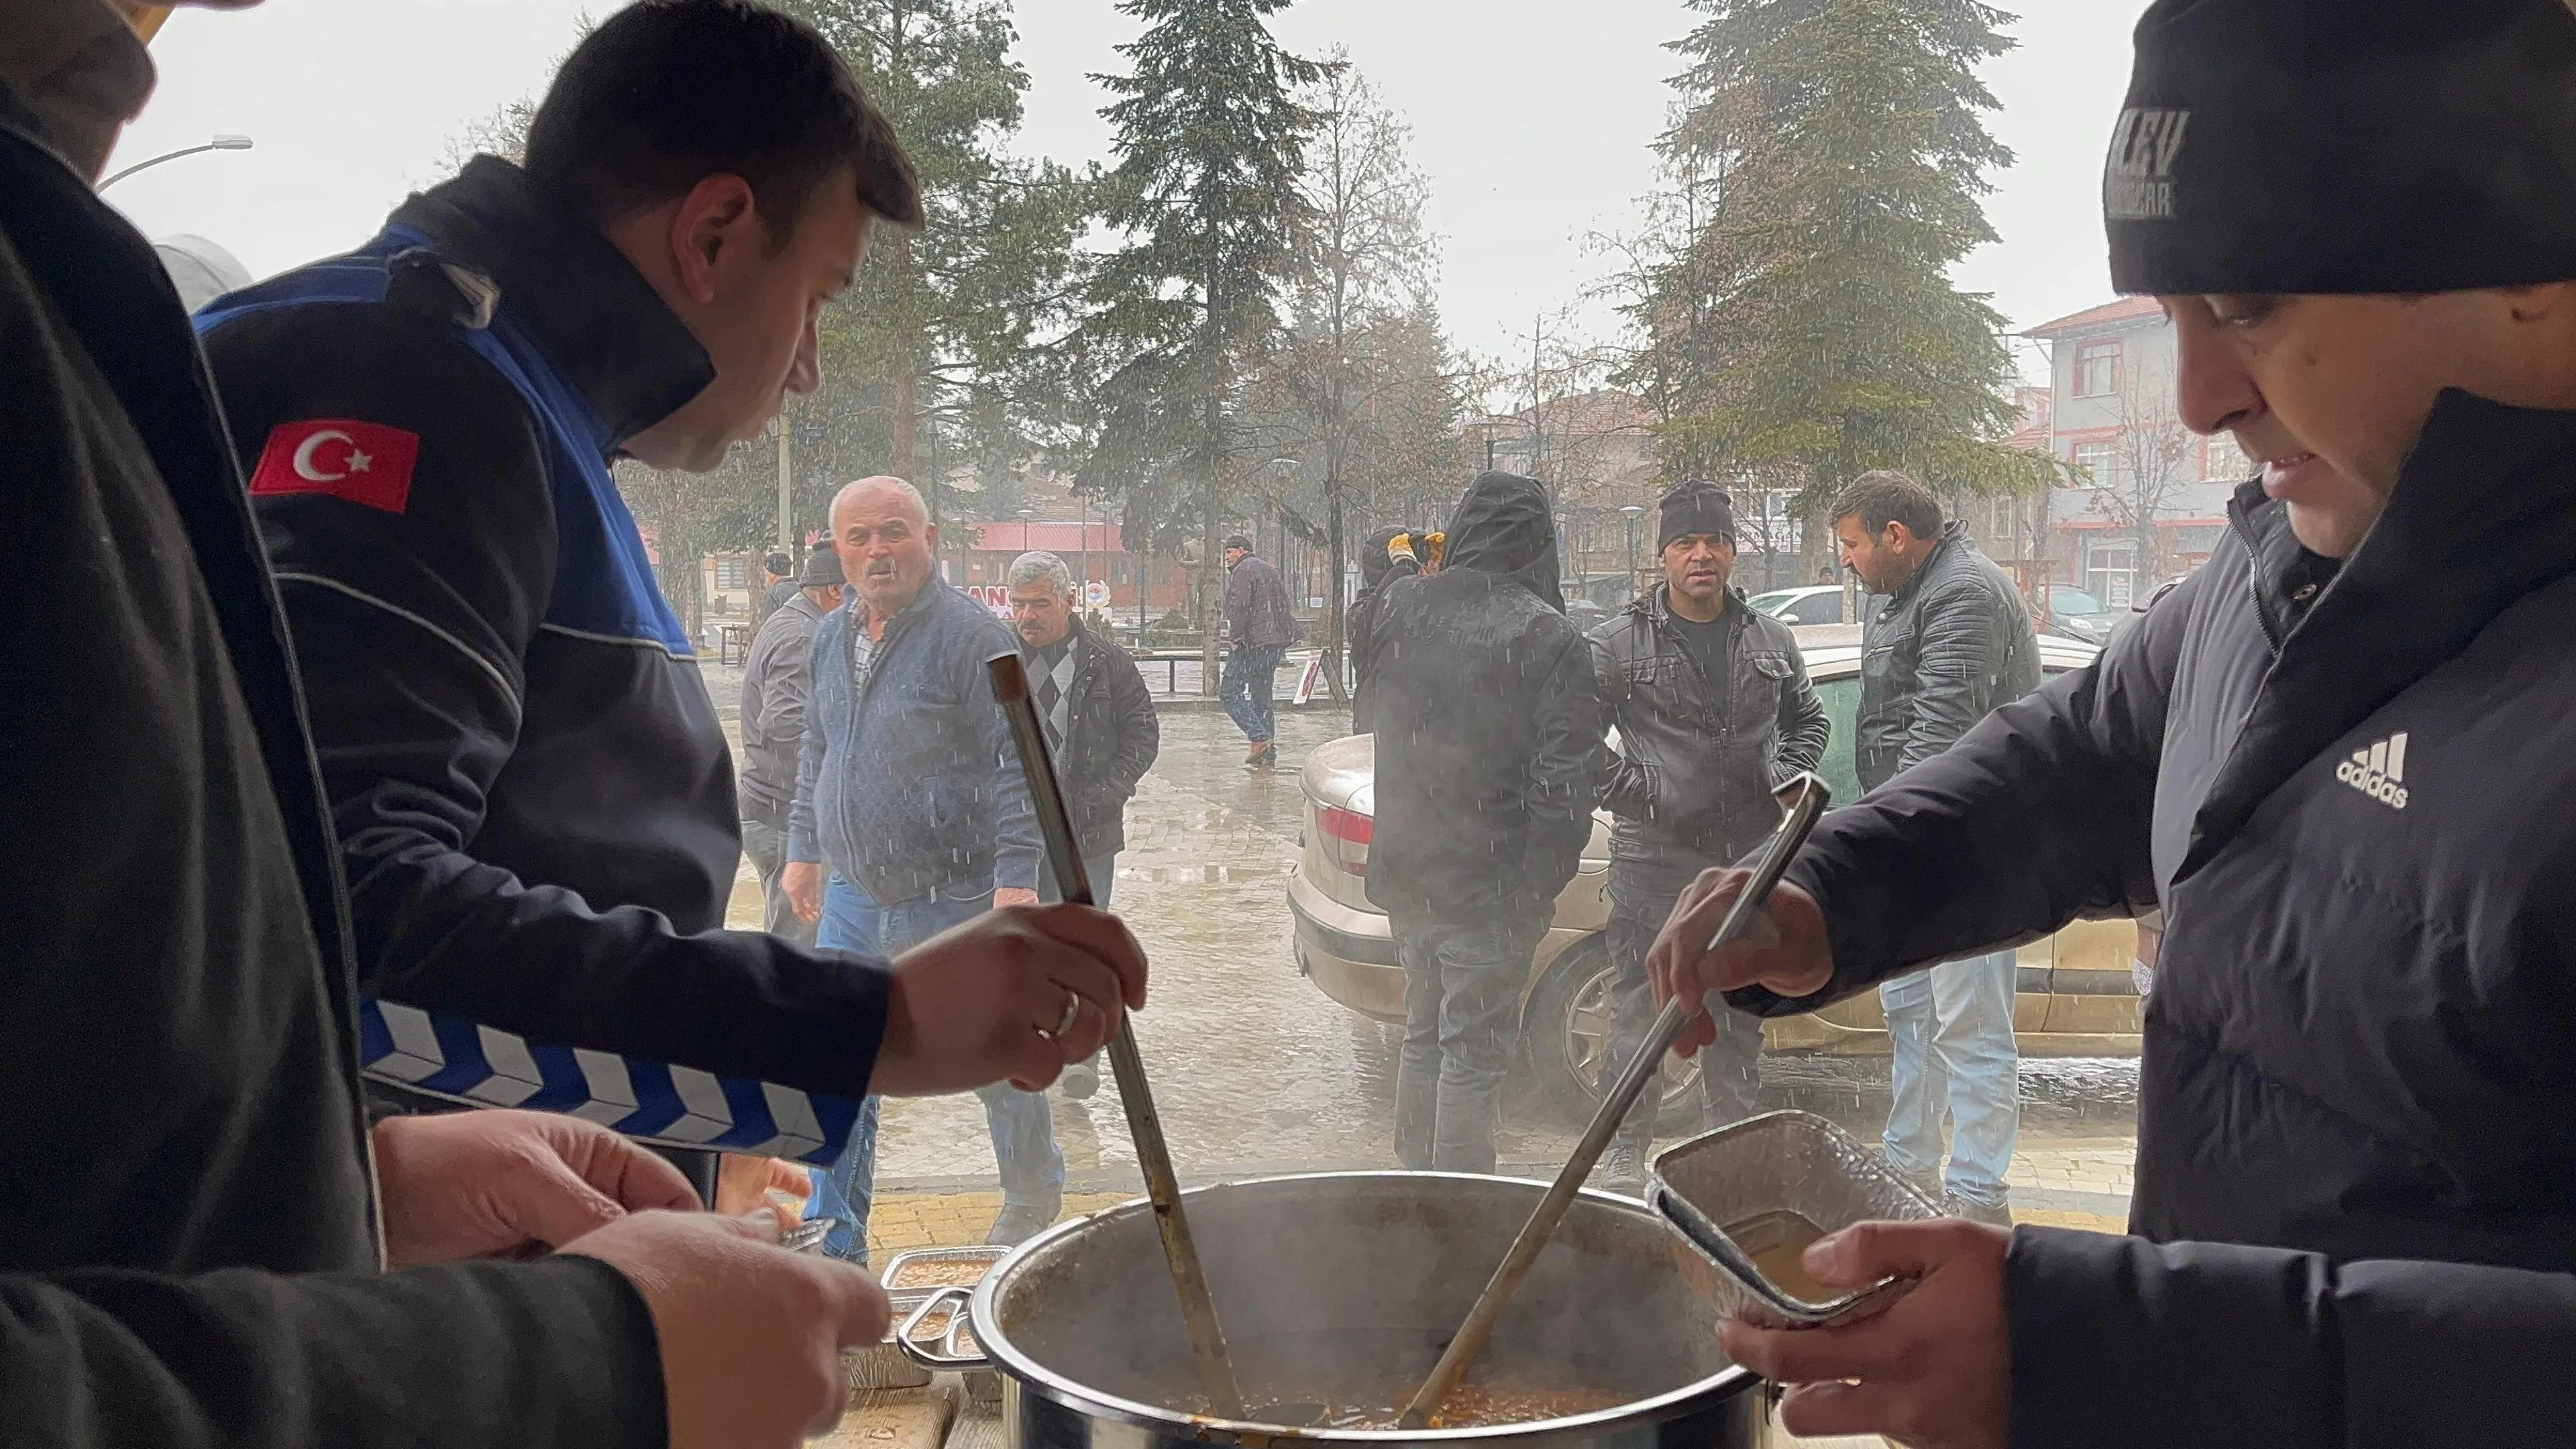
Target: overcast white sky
[(1531, 117)]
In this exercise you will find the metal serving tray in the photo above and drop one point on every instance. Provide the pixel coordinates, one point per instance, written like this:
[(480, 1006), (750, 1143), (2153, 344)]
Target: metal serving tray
[(908, 1297), (1779, 1162)]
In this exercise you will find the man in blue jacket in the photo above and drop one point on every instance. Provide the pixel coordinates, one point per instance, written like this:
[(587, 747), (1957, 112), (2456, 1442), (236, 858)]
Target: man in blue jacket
[(534, 801), (910, 789)]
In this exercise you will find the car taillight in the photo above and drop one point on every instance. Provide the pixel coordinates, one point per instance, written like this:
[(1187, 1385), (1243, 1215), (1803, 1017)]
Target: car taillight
[(1346, 837)]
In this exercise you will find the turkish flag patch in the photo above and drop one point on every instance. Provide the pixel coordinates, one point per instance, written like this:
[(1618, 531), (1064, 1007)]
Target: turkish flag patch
[(365, 463)]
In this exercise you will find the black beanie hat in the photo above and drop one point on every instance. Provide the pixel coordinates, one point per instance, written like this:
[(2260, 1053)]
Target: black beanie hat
[(2345, 146), (1695, 507)]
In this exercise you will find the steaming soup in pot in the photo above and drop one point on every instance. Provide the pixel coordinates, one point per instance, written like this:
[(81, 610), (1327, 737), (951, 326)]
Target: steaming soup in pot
[(1472, 1405)]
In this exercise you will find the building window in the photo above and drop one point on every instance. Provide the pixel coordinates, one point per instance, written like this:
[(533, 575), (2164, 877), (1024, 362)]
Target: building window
[(2093, 461), (2227, 461), (2097, 369), (733, 573)]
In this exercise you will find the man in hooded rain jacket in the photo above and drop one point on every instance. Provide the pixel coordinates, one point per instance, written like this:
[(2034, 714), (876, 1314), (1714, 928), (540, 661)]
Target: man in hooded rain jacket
[(1488, 751)]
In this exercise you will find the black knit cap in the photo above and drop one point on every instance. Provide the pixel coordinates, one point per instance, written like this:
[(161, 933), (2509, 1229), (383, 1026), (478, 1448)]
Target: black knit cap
[(2345, 146), (1694, 507)]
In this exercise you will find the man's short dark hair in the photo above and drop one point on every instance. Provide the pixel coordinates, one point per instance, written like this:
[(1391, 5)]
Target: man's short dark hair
[(666, 93), (1887, 496)]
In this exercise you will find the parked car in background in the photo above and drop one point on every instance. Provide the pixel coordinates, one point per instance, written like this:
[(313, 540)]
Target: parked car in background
[(1815, 604), (2081, 615), (2076, 995)]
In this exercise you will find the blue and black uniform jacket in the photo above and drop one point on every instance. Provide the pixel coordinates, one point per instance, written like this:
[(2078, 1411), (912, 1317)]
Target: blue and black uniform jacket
[(534, 799)]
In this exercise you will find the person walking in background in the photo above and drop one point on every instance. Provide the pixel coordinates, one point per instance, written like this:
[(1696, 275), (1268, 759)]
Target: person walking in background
[(1386, 555), (1260, 627), (777, 678), (778, 582), (1946, 642), (909, 787), (1100, 725), (1715, 714), (1487, 743)]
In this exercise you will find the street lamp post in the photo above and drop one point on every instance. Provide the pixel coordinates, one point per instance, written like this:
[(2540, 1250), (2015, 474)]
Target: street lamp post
[(223, 141), (1634, 511)]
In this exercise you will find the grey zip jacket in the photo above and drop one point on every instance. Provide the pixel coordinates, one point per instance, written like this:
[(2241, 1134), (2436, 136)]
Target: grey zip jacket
[(2360, 1057)]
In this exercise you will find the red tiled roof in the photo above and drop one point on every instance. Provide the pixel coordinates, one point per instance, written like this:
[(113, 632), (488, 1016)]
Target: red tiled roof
[(2127, 309), (2036, 431)]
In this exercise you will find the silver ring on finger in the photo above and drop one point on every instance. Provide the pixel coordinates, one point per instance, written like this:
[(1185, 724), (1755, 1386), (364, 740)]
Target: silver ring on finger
[(1072, 1009)]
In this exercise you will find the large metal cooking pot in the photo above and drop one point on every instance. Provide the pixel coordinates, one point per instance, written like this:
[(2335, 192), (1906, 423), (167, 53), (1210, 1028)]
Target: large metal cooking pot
[(1342, 1288)]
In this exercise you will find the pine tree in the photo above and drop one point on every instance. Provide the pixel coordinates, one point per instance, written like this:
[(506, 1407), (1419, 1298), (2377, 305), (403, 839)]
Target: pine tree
[(940, 357), (1210, 150), (937, 356), (1809, 329)]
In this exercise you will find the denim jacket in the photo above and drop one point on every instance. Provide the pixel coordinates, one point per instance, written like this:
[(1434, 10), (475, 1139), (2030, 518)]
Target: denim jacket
[(911, 784)]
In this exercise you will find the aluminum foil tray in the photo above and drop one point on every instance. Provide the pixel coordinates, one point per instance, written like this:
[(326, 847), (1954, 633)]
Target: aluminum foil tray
[(909, 1296), (885, 1366), (1780, 1161)]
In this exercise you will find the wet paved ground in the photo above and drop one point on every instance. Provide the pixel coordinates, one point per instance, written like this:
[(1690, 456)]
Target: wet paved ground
[(1256, 1071)]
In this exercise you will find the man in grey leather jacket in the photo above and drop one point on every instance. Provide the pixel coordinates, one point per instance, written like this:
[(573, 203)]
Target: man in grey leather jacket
[(1714, 713), (1948, 642)]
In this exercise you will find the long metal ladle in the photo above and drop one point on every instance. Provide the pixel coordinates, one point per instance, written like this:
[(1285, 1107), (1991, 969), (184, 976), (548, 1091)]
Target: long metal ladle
[(1162, 1186), (1615, 1105)]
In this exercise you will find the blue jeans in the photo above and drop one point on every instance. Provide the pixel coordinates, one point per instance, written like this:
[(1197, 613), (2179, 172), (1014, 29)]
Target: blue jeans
[(1962, 1012), (1245, 688), (1023, 1139)]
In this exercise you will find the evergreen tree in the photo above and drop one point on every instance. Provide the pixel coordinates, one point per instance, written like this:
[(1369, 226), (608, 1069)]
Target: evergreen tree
[(939, 358), (947, 328), (1211, 150), (1808, 329)]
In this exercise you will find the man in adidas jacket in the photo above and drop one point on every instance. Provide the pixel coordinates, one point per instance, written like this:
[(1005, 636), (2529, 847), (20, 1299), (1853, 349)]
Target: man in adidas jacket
[(534, 800), (2338, 757)]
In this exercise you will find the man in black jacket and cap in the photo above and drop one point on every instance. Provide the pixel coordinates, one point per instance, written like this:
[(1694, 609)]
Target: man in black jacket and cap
[(1715, 714), (777, 680), (1487, 747), (1259, 628), (2337, 758)]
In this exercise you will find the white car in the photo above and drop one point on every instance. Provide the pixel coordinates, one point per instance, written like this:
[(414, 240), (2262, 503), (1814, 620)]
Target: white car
[(1817, 604), (2076, 996)]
